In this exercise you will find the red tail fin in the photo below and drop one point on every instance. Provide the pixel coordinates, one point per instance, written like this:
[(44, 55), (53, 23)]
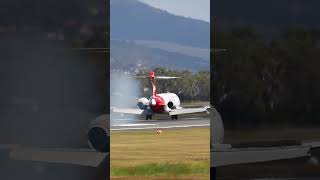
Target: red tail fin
[(154, 88)]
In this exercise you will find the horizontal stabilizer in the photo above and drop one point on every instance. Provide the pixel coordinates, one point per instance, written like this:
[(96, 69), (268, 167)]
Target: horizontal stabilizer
[(218, 50), (159, 77)]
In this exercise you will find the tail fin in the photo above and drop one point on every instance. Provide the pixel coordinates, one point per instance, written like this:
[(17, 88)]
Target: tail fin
[(153, 83), (152, 78)]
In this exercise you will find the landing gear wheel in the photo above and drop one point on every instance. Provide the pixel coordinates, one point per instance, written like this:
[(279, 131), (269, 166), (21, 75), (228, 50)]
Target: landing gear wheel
[(174, 117), (148, 117)]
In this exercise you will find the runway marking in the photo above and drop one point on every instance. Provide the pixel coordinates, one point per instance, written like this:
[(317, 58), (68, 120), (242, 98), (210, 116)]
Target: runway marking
[(192, 118), (128, 125), (159, 120), (167, 127), (133, 120)]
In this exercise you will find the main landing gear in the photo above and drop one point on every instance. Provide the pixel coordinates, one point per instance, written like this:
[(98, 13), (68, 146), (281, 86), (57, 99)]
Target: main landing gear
[(174, 117), (148, 117)]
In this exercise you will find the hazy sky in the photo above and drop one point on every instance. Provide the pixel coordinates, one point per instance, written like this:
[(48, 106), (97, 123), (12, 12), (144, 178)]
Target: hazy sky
[(197, 9)]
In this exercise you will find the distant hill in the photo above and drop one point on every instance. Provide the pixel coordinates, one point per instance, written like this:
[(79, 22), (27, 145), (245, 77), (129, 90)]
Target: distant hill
[(130, 56), (134, 20), (146, 37), (172, 47)]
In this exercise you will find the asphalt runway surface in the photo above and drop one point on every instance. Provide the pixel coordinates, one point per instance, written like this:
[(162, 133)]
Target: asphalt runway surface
[(128, 125)]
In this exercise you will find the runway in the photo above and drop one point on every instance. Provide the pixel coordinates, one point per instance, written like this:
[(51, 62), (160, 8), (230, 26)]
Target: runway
[(127, 124)]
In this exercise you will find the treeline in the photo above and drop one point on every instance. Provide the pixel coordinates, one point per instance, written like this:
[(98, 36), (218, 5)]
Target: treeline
[(261, 81), (189, 87)]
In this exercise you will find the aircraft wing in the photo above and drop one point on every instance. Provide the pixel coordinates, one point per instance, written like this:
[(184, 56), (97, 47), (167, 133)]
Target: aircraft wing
[(223, 155), (187, 111), (128, 110), (81, 157)]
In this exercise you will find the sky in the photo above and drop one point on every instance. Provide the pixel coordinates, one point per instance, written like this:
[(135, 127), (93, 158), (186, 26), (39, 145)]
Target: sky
[(197, 9)]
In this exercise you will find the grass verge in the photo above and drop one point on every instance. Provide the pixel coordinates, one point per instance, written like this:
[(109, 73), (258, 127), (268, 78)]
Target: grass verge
[(176, 153), (162, 169)]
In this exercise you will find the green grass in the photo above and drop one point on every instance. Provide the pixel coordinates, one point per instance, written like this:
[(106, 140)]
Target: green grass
[(175, 154), (161, 169)]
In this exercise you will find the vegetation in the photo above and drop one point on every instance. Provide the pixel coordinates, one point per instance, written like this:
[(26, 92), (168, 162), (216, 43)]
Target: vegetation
[(267, 80)]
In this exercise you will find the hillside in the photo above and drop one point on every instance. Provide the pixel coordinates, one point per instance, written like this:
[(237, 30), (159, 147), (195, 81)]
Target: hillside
[(146, 37), (134, 20), (129, 56)]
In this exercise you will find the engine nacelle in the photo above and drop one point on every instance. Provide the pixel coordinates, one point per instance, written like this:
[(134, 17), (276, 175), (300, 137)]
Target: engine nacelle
[(172, 104), (98, 133), (172, 101), (143, 103)]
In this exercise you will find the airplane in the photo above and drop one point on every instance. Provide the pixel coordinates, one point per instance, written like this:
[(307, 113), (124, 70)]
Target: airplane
[(235, 154), (159, 103), (93, 156)]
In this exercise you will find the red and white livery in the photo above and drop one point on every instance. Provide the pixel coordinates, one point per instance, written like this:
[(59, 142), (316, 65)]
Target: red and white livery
[(162, 103)]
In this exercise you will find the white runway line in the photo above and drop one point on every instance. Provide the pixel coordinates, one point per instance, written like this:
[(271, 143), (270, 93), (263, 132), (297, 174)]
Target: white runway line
[(128, 125), (167, 127), (133, 120), (192, 118)]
